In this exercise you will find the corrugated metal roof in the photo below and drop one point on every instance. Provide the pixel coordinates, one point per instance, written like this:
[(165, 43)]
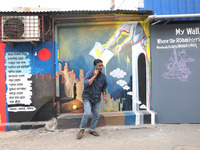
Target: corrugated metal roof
[(170, 7), (78, 12), (33, 9)]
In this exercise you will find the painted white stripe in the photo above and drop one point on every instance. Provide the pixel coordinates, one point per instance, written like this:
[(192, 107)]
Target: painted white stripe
[(153, 116), (139, 119)]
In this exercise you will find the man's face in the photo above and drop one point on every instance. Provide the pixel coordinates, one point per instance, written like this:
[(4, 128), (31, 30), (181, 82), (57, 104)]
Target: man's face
[(100, 66)]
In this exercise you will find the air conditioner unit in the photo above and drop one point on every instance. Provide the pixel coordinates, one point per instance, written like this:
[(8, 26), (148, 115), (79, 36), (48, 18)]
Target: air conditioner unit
[(20, 28)]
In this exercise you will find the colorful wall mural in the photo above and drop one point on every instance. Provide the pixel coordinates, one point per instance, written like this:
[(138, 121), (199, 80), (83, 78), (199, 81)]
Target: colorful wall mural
[(27, 72), (124, 49), (26, 82)]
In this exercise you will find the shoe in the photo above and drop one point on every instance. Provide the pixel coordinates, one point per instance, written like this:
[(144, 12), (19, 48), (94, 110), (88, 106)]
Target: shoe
[(80, 134), (94, 133)]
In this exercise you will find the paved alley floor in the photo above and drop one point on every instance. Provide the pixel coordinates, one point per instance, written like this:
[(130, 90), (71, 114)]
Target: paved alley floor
[(142, 137)]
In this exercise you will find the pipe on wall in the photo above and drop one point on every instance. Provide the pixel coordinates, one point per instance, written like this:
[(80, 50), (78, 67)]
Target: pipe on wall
[(173, 16), (54, 94)]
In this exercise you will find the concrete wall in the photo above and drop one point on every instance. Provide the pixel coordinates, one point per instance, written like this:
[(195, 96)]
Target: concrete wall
[(175, 72)]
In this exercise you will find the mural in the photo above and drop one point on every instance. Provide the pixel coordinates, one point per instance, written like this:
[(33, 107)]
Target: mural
[(27, 72), (119, 47), (27, 83)]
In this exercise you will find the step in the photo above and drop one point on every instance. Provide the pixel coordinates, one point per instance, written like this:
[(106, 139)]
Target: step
[(14, 126), (72, 120)]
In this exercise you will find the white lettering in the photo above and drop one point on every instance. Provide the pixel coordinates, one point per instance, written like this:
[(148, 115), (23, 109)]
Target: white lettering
[(179, 31)]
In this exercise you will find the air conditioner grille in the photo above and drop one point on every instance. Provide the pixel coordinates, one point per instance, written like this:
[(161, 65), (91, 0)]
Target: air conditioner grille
[(13, 28), (21, 28)]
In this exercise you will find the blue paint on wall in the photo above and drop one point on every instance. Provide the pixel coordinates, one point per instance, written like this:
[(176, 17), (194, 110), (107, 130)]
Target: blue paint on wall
[(130, 118), (56, 57), (40, 66), (37, 65)]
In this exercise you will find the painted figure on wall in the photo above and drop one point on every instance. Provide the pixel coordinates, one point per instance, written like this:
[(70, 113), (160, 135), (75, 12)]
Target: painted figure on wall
[(135, 31)]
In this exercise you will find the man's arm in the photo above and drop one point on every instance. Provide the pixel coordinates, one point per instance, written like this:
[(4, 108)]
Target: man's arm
[(104, 97), (103, 90), (92, 79), (96, 72)]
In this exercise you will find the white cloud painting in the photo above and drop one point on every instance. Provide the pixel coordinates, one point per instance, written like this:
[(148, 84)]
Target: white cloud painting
[(118, 73), (121, 82), (126, 87)]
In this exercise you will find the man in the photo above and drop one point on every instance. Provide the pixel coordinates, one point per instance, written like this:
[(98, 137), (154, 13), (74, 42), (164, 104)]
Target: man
[(95, 83)]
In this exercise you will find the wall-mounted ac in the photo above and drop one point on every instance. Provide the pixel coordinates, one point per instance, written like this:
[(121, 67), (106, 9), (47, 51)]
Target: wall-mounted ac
[(20, 28)]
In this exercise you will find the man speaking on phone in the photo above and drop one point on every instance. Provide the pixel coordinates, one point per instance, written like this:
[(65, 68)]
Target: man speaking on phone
[(94, 84)]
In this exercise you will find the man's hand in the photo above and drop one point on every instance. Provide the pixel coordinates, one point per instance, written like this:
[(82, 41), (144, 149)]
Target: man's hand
[(96, 72), (105, 100)]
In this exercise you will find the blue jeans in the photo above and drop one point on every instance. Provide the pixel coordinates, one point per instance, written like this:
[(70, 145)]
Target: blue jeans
[(96, 107)]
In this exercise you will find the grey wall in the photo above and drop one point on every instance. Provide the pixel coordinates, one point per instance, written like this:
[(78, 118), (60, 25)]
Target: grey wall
[(176, 72)]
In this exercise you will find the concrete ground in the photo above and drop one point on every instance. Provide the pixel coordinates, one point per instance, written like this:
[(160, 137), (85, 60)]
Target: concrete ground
[(142, 137)]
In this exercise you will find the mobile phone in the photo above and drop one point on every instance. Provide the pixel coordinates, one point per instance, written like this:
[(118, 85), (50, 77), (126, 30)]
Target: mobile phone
[(95, 67)]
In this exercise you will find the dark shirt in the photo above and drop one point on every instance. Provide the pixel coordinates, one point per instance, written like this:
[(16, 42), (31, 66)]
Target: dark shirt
[(93, 92)]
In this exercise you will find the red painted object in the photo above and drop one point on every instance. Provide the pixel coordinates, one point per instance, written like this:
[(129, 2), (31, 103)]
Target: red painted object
[(44, 54), (3, 117)]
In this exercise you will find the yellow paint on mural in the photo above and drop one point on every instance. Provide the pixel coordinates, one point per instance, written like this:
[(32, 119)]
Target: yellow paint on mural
[(0, 118), (58, 55), (110, 39), (65, 46), (128, 61), (118, 57), (119, 38), (145, 26), (111, 106), (125, 35)]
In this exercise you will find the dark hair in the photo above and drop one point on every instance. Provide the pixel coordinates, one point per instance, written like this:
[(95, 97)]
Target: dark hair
[(96, 61)]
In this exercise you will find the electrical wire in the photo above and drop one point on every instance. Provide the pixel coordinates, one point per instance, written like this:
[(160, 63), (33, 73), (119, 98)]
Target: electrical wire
[(121, 4)]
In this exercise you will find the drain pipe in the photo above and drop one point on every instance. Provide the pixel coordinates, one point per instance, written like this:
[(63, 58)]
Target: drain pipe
[(173, 16)]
